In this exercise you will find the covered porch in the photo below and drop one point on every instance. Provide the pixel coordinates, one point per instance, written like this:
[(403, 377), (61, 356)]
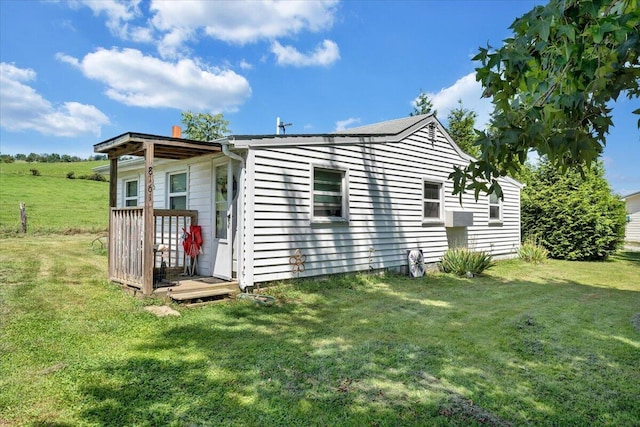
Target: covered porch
[(141, 238)]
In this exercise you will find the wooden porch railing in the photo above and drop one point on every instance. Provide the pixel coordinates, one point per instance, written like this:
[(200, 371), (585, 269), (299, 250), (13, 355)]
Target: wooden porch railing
[(127, 245)]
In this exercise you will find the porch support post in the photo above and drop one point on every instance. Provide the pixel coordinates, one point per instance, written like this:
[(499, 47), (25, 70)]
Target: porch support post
[(113, 201), (149, 232)]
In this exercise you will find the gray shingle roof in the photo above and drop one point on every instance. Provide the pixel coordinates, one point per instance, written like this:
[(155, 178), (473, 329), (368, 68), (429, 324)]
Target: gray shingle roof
[(390, 127)]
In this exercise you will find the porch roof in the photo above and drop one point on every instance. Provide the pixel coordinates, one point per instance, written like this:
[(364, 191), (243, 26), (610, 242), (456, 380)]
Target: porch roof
[(165, 147)]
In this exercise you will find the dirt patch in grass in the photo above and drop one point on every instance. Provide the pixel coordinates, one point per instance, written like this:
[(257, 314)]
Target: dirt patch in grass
[(161, 310), (464, 410)]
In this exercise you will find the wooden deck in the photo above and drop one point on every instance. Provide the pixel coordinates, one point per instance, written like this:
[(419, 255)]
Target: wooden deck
[(198, 290)]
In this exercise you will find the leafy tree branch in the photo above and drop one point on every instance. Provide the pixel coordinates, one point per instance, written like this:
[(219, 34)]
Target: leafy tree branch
[(552, 85)]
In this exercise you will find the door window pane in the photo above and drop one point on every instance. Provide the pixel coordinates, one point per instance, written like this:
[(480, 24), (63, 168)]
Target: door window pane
[(222, 205), (131, 193), (178, 191)]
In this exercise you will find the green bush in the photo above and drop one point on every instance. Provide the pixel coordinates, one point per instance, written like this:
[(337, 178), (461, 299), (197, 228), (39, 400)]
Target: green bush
[(462, 261), (34, 172), (576, 217), (531, 251), (71, 175), (94, 177)]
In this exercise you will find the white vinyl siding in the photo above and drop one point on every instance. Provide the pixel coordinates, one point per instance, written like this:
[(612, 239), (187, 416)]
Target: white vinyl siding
[(329, 195), (432, 201), (385, 207), (632, 230)]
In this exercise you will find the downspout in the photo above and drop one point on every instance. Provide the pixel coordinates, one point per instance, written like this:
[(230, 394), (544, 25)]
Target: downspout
[(224, 143)]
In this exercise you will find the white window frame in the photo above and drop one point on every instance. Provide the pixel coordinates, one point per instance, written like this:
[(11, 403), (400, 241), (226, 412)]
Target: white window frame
[(440, 200), (497, 220), (344, 190), (179, 193), (125, 195)]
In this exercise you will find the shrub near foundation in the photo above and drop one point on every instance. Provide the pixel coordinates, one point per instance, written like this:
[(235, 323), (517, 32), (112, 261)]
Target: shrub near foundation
[(531, 251), (462, 261)]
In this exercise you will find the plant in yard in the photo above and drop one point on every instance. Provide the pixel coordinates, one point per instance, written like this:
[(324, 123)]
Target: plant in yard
[(463, 261), (531, 251), (574, 216)]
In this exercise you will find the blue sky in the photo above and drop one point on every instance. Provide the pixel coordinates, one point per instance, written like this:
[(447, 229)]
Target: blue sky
[(77, 72)]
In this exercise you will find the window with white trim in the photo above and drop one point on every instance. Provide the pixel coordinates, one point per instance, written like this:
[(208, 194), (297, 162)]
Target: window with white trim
[(432, 201), (329, 195), (177, 190), (495, 208), (131, 193)]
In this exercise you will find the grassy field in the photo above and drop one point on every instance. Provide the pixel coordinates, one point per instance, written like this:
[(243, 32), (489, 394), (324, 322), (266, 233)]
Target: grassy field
[(53, 202), (556, 344)]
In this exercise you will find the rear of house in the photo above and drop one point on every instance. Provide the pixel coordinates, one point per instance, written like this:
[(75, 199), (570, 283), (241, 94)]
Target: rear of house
[(276, 207), (632, 231)]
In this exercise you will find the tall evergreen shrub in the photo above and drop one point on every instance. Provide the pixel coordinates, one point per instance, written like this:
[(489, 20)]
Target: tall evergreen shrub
[(574, 217)]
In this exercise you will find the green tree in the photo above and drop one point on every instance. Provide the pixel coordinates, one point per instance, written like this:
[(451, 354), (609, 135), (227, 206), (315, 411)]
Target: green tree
[(204, 126), (461, 128), (423, 105), (552, 84), (574, 216)]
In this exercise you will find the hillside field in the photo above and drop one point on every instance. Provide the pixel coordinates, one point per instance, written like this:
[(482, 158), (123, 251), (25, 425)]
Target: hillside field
[(54, 202)]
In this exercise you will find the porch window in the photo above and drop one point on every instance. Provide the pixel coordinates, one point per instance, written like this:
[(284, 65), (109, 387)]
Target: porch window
[(432, 201), (495, 208), (131, 193), (178, 190), (329, 195)]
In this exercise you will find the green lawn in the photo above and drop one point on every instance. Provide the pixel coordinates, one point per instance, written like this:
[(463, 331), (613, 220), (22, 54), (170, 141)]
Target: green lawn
[(53, 202), (552, 344)]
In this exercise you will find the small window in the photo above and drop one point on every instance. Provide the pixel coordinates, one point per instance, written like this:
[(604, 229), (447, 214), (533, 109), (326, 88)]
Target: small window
[(178, 191), (495, 208), (329, 195), (131, 193), (432, 200)]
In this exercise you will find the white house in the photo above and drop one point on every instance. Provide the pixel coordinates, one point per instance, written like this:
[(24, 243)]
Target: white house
[(281, 206), (632, 232)]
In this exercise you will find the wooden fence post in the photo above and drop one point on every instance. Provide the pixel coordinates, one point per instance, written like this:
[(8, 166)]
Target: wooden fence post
[(23, 217)]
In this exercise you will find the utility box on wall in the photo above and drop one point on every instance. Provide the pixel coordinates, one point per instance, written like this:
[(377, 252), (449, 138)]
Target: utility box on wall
[(458, 219)]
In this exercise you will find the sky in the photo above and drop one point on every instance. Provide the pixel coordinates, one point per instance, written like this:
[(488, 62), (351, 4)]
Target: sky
[(75, 73)]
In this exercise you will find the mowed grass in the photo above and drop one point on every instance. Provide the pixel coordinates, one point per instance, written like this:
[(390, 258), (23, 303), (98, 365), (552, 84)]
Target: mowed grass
[(552, 344), (53, 202)]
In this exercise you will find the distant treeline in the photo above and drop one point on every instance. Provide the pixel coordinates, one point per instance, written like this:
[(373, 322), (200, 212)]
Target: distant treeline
[(48, 158)]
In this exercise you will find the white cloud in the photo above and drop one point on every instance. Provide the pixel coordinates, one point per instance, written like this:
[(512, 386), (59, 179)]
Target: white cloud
[(469, 91), (325, 54), (135, 79), (118, 13), (244, 65), (171, 24), (244, 22), (22, 108), (345, 124)]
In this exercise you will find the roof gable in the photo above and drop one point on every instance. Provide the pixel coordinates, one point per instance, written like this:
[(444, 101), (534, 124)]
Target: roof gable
[(389, 127)]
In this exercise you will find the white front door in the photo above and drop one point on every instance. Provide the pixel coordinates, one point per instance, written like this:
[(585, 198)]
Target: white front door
[(222, 251)]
